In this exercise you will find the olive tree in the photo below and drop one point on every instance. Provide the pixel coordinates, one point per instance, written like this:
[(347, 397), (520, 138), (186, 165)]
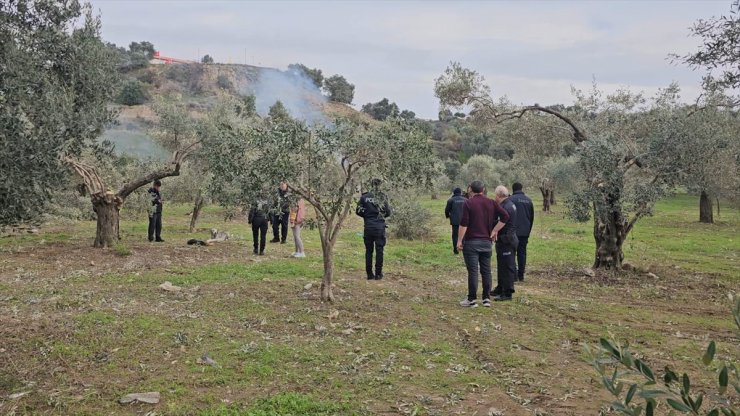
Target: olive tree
[(614, 136), (56, 80), (323, 165)]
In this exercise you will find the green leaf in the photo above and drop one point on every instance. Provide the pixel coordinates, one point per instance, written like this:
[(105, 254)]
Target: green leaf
[(709, 355), (686, 383), (678, 405), (630, 394), (723, 380), (645, 370), (651, 394), (669, 376), (714, 412), (650, 408), (699, 401), (610, 348)]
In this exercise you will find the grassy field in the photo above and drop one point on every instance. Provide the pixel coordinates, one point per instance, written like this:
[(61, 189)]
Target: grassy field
[(79, 327)]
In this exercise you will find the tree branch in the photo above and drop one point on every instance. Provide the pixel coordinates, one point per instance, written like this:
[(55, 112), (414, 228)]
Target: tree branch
[(172, 170)]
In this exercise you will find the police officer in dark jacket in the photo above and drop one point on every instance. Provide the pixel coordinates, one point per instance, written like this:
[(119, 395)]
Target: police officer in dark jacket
[(525, 220), (281, 215), (258, 219), (155, 213), (506, 243), (453, 211), (373, 207)]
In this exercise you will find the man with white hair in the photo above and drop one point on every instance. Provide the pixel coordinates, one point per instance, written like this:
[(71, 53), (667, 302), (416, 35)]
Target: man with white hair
[(506, 243)]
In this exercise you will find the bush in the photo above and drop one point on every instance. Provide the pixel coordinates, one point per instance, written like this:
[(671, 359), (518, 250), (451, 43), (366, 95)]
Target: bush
[(132, 93), (409, 220), (224, 82)]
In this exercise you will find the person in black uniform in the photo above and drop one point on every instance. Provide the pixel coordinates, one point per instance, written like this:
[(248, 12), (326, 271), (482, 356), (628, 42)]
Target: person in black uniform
[(258, 218), (281, 215), (506, 243), (525, 220), (453, 211), (373, 207), (155, 213)]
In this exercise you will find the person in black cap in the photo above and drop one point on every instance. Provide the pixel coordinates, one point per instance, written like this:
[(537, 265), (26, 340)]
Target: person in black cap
[(373, 207), (453, 211), (155, 213), (524, 222)]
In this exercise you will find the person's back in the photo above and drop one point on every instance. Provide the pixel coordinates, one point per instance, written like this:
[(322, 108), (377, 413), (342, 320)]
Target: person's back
[(525, 213), (374, 208), (454, 208), (524, 223), (511, 226)]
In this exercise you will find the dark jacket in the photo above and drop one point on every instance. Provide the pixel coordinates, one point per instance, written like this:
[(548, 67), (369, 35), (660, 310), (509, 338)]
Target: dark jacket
[(282, 205), (374, 210), (156, 200), (510, 207), (525, 213), (454, 209), (257, 212)]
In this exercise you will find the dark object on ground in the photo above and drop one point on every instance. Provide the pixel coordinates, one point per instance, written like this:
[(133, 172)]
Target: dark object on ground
[(196, 242)]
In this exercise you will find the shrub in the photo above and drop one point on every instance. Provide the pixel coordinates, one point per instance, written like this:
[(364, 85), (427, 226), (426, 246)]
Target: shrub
[(409, 220), (224, 82), (132, 93), (121, 249)]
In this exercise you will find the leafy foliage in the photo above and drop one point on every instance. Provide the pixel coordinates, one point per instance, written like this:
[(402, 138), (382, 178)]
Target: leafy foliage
[(410, 220), (278, 112), (315, 74), (206, 59), (719, 53), (133, 92), (339, 89), (642, 383), (224, 82), (381, 110), (56, 80)]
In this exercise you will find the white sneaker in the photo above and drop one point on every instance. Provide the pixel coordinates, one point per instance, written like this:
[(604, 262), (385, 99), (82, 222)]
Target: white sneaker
[(468, 303), (299, 255), (487, 303)]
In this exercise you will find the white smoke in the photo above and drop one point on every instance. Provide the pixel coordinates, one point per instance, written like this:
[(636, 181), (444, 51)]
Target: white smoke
[(300, 96)]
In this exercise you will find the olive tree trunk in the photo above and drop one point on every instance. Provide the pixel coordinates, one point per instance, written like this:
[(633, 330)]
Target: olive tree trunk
[(552, 197), (546, 199), (197, 207), (609, 233), (706, 213), (107, 208)]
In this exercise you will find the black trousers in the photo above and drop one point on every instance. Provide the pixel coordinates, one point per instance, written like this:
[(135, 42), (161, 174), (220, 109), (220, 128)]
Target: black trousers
[(259, 234), (374, 240), (278, 221), (455, 229), (506, 259), (155, 226), (521, 256), (477, 256)]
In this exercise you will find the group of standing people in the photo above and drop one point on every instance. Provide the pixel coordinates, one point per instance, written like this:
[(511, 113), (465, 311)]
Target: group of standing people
[(285, 211), (477, 223)]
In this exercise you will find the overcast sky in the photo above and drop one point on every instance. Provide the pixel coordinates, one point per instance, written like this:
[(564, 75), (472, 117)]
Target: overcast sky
[(531, 51)]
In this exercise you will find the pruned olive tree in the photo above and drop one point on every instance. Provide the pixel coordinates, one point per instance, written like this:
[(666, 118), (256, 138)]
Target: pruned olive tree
[(323, 165), (56, 80), (614, 137)]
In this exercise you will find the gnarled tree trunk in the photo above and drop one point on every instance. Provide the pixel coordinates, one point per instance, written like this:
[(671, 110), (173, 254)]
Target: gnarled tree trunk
[(107, 208), (552, 197), (610, 232), (706, 214), (197, 207), (547, 194)]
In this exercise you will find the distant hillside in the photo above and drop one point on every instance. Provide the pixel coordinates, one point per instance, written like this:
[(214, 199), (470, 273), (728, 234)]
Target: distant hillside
[(200, 86)]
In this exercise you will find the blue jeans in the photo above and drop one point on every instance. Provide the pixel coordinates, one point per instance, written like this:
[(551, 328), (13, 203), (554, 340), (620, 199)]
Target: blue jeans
[(477, 255)]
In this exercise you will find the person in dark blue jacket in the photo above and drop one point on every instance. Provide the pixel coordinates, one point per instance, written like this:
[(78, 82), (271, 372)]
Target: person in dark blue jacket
[(525, 220), (454, 211), (373, 207)]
